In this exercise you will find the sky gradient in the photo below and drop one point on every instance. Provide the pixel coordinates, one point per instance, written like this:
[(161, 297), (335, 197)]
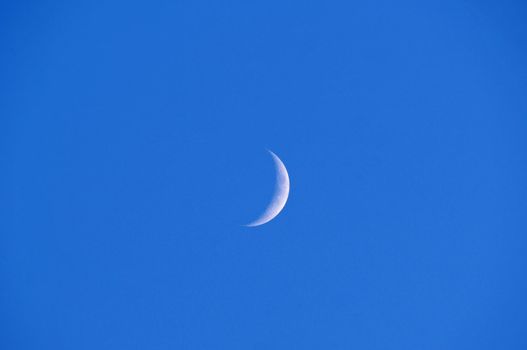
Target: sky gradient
[(133, 141)]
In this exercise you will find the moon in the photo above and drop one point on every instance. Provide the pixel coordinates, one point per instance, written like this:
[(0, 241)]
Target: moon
[(281, 193)]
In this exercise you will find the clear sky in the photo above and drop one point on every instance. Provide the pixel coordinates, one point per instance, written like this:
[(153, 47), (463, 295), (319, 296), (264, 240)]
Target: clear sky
[(133, 139)]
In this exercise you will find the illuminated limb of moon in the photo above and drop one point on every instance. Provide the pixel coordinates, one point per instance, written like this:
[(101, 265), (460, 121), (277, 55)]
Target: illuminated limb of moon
[(280, 196)]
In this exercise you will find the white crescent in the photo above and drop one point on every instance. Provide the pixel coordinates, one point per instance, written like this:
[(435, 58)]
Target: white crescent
[(281, 193)]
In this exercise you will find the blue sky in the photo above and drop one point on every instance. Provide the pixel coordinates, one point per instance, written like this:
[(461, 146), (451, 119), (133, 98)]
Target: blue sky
[(133, 141)]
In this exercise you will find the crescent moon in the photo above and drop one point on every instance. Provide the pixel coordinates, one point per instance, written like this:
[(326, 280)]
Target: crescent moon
[(281, 193)]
